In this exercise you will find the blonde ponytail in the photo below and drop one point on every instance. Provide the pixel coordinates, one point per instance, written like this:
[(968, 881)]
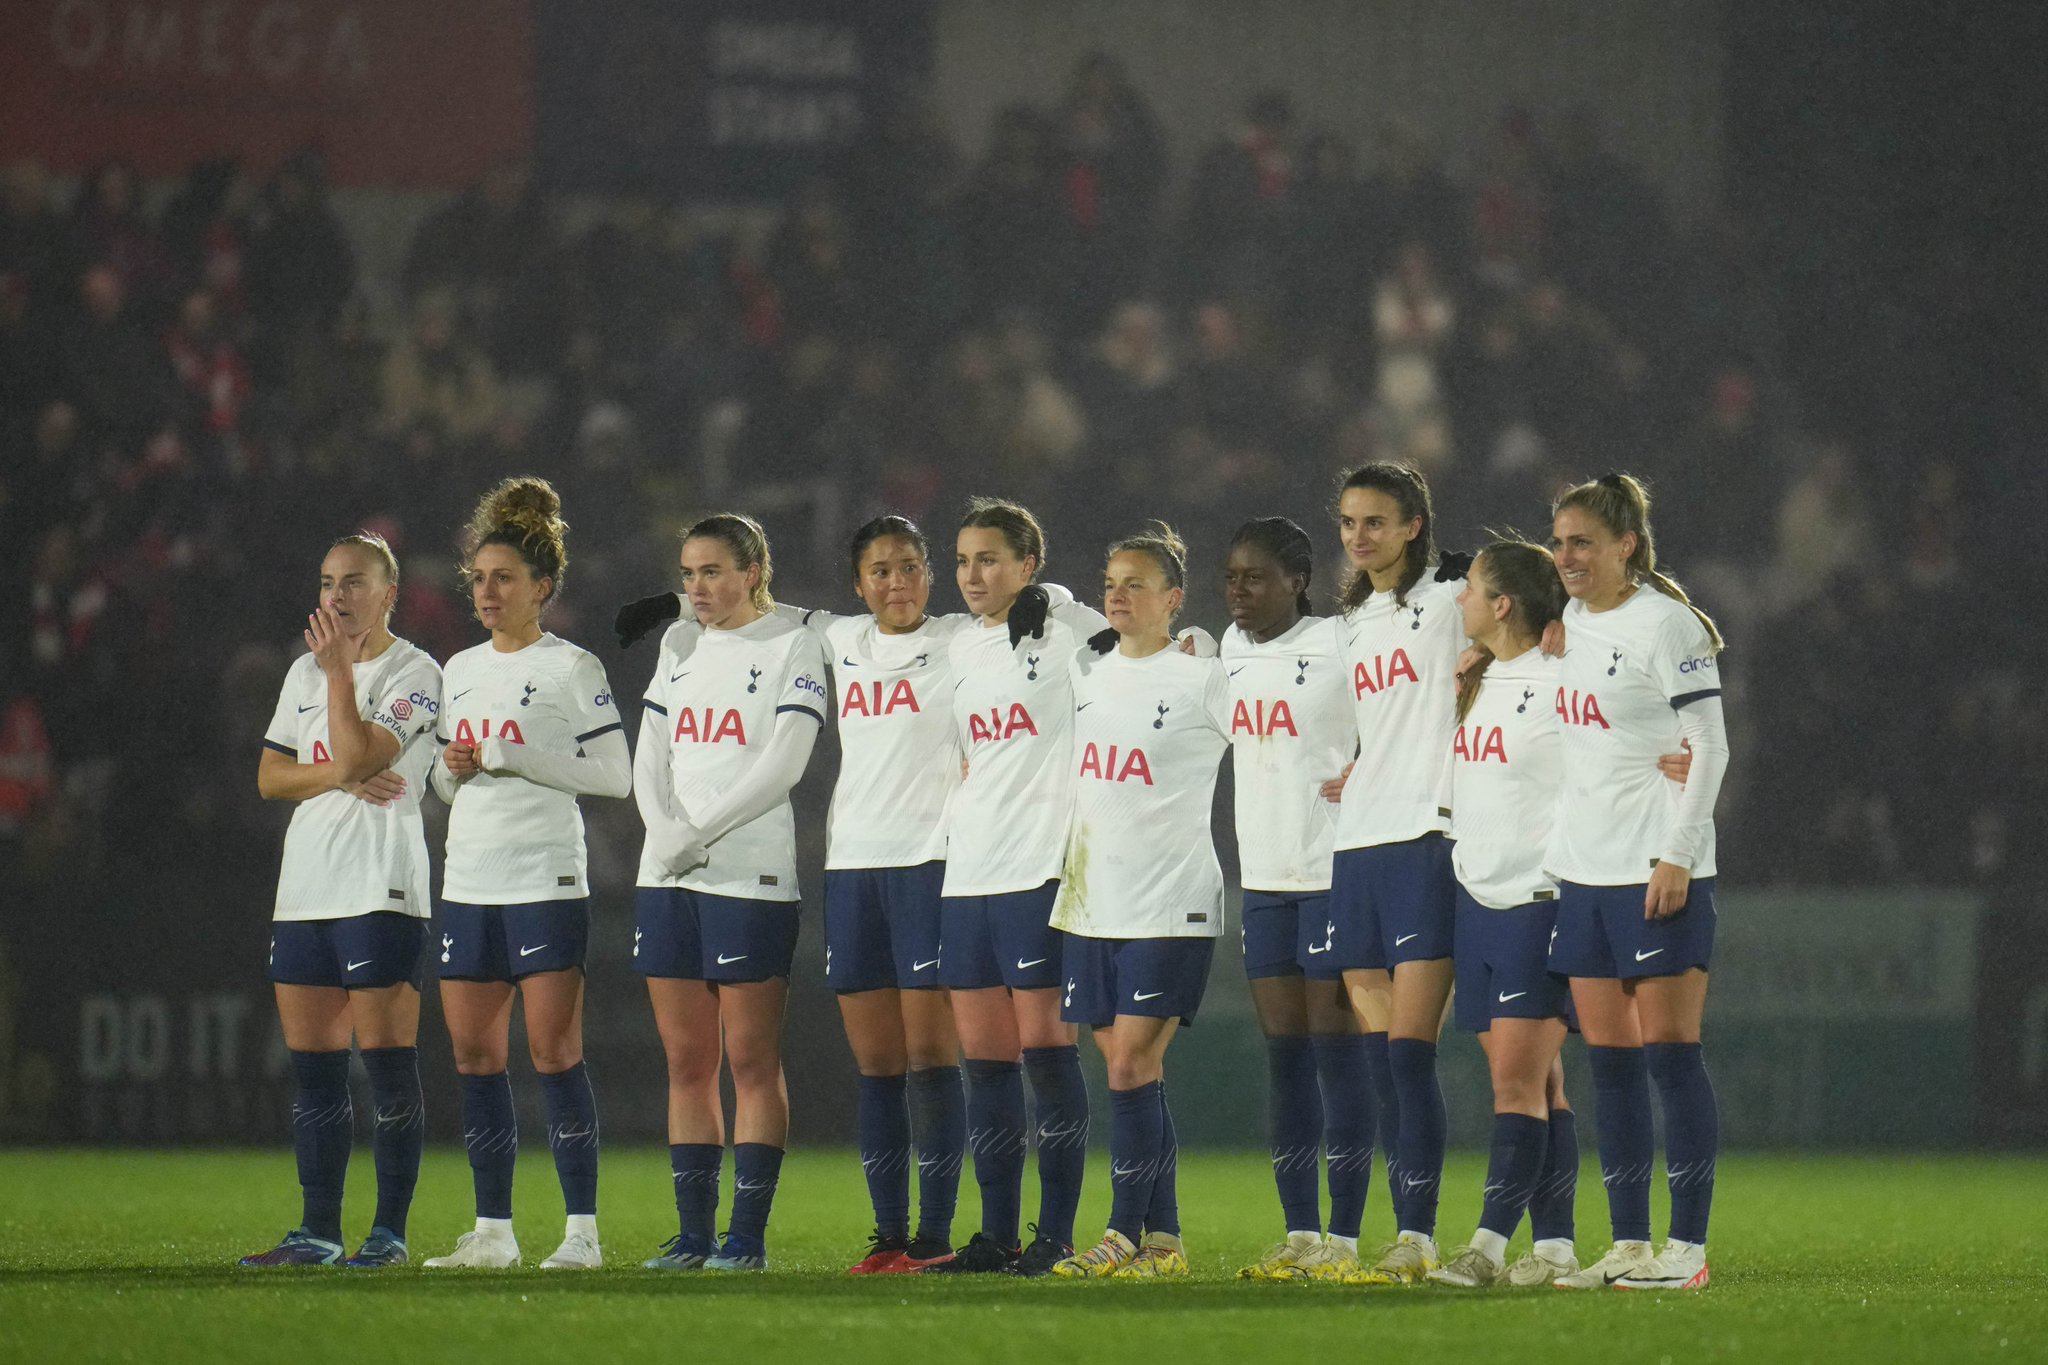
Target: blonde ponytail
[(1621, 503)]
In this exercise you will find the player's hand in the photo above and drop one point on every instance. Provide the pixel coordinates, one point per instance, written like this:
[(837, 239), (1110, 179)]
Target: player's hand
[(332, 648), (460, 760), (635, 619), (1472, 656), (1333, 790), (1677, 766), (1103, 641), (678, 847), (378, 789), (1198, 642), (1669, 886), (1027, 614), (1551, 642), (1452, 565)]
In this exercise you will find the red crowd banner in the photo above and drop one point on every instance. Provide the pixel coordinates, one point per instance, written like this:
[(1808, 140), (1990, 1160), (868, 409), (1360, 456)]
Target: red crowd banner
[(394, 92)]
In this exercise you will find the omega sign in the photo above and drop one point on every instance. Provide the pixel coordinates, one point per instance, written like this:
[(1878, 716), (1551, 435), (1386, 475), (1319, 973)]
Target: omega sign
[(276, 42)]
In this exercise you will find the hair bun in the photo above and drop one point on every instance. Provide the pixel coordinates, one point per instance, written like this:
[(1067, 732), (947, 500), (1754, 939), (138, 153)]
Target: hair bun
[(534, 497), (1613, 481)]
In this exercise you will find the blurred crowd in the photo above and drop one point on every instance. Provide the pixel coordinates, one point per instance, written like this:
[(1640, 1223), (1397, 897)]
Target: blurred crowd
[(197, 392)]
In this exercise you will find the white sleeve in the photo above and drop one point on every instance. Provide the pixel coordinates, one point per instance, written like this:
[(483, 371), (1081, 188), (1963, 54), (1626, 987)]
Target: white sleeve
[(1706, 730), (439, 778), (1216, 700), (767, 780), (1205, 643), (602, 765), (1080, 618), (410, 705), (652, 782), (818, 619), (283, 734)]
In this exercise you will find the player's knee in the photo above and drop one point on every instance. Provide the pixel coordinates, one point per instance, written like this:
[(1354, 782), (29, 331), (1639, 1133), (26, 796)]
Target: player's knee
[(554, 1054), (755, 1070)]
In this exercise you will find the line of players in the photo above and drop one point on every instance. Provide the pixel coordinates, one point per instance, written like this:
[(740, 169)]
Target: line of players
[(1019, 844)]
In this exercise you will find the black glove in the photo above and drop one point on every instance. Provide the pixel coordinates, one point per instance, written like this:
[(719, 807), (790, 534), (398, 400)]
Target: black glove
[(1103, 641), (635, 619), (1027, 614), (1452, 565)]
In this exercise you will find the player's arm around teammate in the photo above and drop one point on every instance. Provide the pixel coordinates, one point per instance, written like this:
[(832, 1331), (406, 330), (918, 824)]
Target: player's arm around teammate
[(347, 744), (529, 725), (1292, 735), (734, 719), (1013, 712), (1141, 897), (1635, 861)]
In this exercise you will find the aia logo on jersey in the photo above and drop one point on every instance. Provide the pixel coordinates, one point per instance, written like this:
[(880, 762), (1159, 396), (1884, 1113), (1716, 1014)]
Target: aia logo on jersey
[(1477, 743), (1576, 708), (865, 699), (710, 726), (997, 725), (1381, 672), (1127, 765), (509, 732), (1258, 719)]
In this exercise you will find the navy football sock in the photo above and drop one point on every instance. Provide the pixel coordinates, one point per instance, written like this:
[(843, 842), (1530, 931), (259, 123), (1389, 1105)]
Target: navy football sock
[(938, 1116), (1550, 1209), (882, 1120), (1136, 1130), (400, 1132), (1424, 1127), (995, 1134), (1350, 1124), (1163, 1213), (323, 1123), (1512, 1170), (696, 1167), (1692, 1134), (1386, 1112), (1294, 1115), (756, 1169), (1621, 1085), (1059, 1094), (490, 1132), (572, 1135)]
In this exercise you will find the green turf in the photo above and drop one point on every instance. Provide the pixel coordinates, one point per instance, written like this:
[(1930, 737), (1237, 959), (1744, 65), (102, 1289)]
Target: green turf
[(127, 1255)]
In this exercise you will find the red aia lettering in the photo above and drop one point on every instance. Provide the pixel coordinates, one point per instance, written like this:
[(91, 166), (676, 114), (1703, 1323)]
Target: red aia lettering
[(1257, 720), (867, 700), (1580, 709), (1386, 670), (509, 732), (996, 725), (1476, 744), (709, 727), (1094, 763)]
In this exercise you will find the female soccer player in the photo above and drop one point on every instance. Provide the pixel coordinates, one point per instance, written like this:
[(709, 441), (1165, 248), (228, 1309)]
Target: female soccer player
[(1505, 772), (1292, 734), (348, 744), (1013, 710), (529, 726), (1641, 675), (732, 713), (1392, 902), (1141, 897)]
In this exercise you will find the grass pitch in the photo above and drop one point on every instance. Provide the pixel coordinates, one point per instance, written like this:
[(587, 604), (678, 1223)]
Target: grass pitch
[(110, 1255)]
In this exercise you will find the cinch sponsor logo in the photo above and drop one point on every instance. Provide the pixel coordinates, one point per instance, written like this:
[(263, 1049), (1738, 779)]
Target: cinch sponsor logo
[(1695, 665), (1259, 720), (602, 699), (865, 699), (1130, 767), (998, 725), (710, 726), (422, 699), (807, 683), (1384, 672)]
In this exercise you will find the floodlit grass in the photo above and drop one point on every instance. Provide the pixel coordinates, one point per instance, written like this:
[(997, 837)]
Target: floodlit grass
[(129, 1255)]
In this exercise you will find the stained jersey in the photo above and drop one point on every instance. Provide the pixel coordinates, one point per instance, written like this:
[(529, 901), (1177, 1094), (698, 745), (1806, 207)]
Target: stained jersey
[(1403, 663), (899, 754), (1291, 730), (1626, 672), (344, 857), (1506, 765), (512, 841), (719, 694), (1148, 736), (1013, 718)]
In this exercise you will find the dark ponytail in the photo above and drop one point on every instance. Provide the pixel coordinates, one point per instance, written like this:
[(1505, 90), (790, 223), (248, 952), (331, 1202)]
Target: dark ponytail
[(882, 527), (1410, 491), (1526, 575)]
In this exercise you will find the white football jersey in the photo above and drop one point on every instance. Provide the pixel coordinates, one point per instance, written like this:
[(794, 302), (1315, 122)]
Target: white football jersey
[(1403, 661), (512, 841), (1626, 672), (344, 857), (1291, 730), (1148, 736), (1013, 717), (1506, 764), (719, 702), (899, 758)]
